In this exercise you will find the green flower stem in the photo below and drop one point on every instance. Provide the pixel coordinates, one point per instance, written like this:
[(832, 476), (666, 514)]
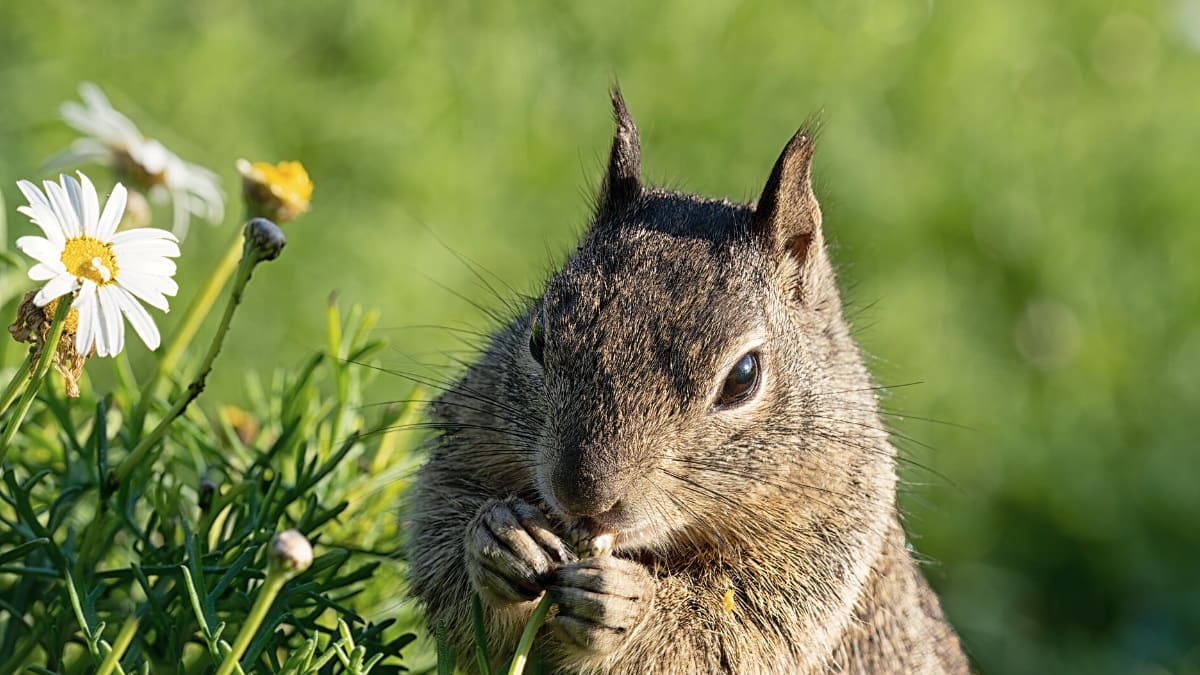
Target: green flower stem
[(251, 256), (16, 384), (527, 636), (124, 638), (216, 648), (193, 316), (49, 348), (276, 578), (198, 310), (95, 644), (481, 650)]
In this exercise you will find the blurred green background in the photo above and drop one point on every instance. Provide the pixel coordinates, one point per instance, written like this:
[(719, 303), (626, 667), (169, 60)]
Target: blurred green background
[(1010, 189)]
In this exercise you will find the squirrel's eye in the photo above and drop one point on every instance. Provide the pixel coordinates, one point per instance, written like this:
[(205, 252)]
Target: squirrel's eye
[(537, 338), (741, 382)]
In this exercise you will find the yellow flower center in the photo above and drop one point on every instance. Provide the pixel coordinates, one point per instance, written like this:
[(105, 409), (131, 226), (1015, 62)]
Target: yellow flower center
[(288, 181), (89, 258)]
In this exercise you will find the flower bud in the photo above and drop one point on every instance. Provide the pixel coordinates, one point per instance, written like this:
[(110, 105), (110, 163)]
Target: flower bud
[(290, 552), (264, 239), (137, 211), (208, 487)]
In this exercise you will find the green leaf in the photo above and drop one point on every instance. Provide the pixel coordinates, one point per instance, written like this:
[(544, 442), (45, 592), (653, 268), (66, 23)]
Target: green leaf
[(445, 653), (481, 645), (20, 551)]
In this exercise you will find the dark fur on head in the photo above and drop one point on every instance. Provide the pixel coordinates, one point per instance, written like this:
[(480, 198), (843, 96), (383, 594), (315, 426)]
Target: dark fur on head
[(785, 500)]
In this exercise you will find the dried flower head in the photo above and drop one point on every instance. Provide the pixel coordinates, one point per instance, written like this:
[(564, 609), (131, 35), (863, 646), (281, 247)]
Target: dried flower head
[(32, 325), (281, 192), (112, 139)]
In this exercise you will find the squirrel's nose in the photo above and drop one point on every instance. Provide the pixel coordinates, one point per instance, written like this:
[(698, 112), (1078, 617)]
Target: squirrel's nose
[(585, 505), (584, 494)]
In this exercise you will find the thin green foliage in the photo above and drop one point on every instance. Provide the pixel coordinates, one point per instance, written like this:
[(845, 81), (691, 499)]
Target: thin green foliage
[(118, 566), (481, 645), (445, 653)]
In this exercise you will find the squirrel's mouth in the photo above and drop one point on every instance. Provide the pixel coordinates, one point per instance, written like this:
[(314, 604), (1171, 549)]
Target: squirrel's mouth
[(631, 531), (635, 538), (623, 537)]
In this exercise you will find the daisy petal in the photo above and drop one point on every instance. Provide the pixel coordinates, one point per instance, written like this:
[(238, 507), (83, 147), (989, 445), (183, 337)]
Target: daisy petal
[(112, 327), (154, 266), (114, 209), (63, 211), (56, 287), (150, 290), (162, 248), (91, 206), (83, 120), (40, 272), (94, 96), (98, 118), (40, 211), (36, 198), (81, 151), (179, 225), (141, 234), (138, 317), (47, 223), (41, 249), (85, 303), (207, 200), (75, 196)]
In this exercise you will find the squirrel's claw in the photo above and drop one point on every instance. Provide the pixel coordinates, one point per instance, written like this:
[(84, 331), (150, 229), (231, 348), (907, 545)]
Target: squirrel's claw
[(600, 601), (510, 549)]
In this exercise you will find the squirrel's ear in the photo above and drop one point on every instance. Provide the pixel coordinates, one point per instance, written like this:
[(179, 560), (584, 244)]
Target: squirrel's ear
[(623, 181), (787, 218)]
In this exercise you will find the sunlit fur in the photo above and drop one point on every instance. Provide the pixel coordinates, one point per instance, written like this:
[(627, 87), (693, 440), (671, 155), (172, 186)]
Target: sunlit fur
[(787, 499)]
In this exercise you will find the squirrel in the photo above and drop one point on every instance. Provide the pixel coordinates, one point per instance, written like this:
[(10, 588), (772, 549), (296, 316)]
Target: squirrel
[(687, 384)]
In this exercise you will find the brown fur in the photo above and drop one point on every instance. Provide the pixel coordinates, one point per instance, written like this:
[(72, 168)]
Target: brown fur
[(757, 538)]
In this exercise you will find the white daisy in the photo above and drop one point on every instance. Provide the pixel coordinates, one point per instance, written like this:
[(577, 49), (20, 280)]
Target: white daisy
[(111, 138), (109, 271)]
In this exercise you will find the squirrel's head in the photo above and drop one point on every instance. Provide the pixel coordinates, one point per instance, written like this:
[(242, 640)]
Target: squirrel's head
[(692, 371)]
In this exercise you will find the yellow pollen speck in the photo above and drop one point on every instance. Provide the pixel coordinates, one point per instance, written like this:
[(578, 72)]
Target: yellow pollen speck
[(727, 603), (89, 258)]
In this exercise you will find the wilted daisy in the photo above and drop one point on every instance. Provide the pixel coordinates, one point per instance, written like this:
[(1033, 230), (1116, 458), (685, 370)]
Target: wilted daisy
[(109, 271), (111, 138), (32, 325)]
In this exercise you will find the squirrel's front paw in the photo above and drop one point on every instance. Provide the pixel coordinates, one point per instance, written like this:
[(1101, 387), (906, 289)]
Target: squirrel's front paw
[(510, 549), (600, 601)]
